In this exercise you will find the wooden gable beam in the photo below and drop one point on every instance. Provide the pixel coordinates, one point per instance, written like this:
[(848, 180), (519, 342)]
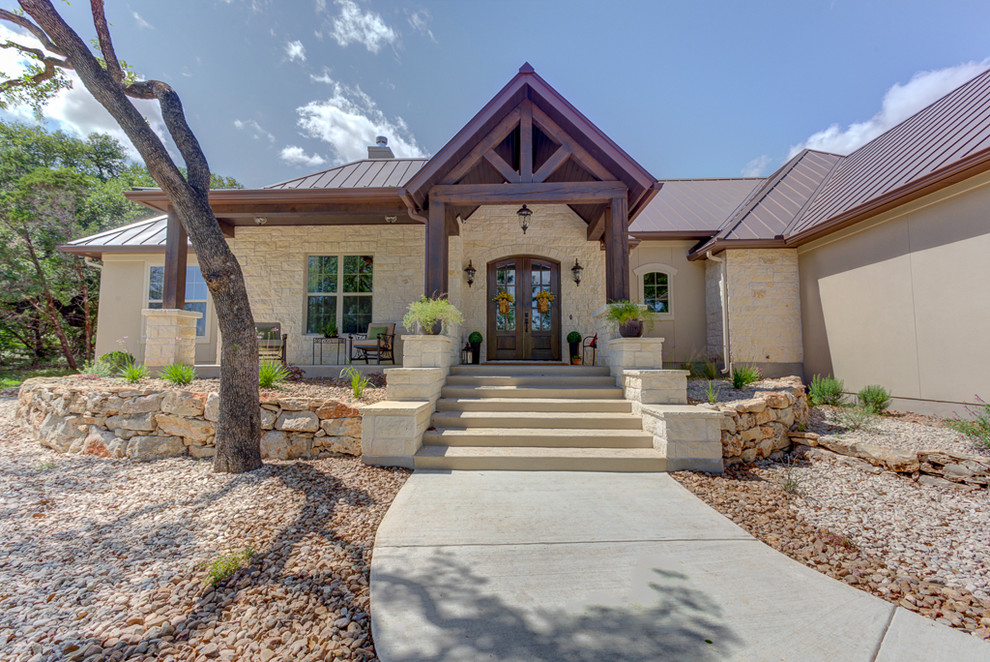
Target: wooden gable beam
[(494, 137), (578, 153), (526, 141), (550, 165), (503, 168), (542, 193)]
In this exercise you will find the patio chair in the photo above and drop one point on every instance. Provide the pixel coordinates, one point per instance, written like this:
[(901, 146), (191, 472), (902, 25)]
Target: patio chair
[(378, 342), (271, 342)]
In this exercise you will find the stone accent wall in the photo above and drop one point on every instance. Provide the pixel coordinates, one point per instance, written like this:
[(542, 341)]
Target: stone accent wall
[(145, 424), (170, 337), (555, 232), (764, 306), (633, 354), (713, 309), (274, 260), (754, 429)]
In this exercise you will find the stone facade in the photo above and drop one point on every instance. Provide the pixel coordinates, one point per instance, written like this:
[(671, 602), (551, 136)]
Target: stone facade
[(274, 261), (633, 354), (687, 436), (764, 302), (713, 309), (756, 428), (144, 424), (170, 337)]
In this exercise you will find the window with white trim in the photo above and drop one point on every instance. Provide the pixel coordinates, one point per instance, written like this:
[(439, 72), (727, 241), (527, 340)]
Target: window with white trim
[(339, 290), (196, 294), (656, 291)]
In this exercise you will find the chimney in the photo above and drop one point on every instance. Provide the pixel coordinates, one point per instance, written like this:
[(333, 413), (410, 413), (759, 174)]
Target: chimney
[(380, 150)]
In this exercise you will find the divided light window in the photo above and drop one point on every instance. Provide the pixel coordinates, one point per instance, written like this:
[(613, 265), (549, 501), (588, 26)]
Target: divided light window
[(196, 294), (339, 290), (656, 291)]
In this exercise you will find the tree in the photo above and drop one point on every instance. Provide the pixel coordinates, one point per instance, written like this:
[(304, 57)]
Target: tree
[(113, 86)]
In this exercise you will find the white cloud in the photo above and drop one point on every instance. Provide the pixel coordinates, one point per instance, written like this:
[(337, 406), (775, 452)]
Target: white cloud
[(322, 78), (143, 24), (420, 22), (899, 103), (294, 155), (757, 167), (74, 110), (354, 26), (349, 121), (256, 130), (295, 50)]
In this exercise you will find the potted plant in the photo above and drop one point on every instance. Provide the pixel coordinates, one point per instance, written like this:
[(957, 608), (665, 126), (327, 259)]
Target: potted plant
[(574, 342), (475, 341), (330, 330), (628, 317), (504, 301), (575, 360), (431, 317), (543, 300)]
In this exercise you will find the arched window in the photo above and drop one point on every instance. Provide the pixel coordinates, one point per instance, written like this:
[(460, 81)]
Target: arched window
[(656, 291)]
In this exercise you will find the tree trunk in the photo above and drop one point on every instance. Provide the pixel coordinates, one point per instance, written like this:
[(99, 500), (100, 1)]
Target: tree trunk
[(87, 320), (49, 308)]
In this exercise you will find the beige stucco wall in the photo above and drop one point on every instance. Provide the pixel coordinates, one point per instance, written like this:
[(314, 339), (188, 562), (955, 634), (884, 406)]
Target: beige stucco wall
[(123, 293), (901, 300), (764, 309), (274, 261), (683, 329)]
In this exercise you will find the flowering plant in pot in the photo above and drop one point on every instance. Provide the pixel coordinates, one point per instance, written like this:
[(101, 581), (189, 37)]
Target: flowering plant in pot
[(504, 301), (431, 317), (474, 340), (630, 318), (543, 300)]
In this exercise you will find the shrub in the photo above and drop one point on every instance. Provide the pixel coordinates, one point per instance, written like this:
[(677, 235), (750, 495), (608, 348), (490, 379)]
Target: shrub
[(711, 392), (825, 391), (857, 418), (358, 382), (271, 373), (709, 369), (744, 376), (93, 369), (178, 374), (226, 565), (426, 313), (117, 360), (874, 397), (475, 337), (978, 427), (573, 337), (134, 372)]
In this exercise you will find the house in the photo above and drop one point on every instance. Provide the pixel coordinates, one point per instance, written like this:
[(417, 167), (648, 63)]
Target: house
[(872, 266)]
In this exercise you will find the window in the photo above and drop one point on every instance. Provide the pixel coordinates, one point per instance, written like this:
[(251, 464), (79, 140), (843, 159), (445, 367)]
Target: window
[(656, 291), (196, 294), (339, 290)]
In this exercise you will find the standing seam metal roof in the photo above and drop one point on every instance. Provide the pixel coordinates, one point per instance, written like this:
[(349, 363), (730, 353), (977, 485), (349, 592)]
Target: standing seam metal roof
[(367, 173), (693, 205)]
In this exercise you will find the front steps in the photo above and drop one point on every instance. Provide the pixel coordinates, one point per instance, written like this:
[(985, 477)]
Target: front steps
[(536, 418)]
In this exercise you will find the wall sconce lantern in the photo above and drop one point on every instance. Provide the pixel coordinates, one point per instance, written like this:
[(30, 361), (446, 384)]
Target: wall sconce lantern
[(524, 213), (470, 271), (577, 270)]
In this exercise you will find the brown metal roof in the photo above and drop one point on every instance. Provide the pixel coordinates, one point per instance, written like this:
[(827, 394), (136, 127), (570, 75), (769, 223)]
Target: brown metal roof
[(954, 128), (147, 234), (693, 207), (367, 173)]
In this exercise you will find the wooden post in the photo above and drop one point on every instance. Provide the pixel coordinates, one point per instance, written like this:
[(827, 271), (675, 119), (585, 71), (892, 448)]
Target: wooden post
[(617, 250), (526, 144), (176, 250), (436, 250)]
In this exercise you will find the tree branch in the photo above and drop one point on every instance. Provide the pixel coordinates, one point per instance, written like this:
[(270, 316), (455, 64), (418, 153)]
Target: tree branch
[(106, 44), (38, 33)]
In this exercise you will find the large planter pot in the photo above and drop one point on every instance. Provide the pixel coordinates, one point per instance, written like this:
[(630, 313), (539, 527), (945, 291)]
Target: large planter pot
[(575, 348), (433, 330), (631, 329), (475, 353)]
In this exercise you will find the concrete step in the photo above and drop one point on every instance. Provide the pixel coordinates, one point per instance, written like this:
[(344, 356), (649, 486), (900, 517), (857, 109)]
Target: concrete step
[(521, 370), (535, 405), (599, 381), (508, 458), (538, 392), (537, 419), (528, 437)]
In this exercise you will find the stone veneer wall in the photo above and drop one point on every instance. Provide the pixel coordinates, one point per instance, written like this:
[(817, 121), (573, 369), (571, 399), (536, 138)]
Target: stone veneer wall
[(555, 232), (274, 260), (754, 429), (764, 308), (713, 308), (146, 424)]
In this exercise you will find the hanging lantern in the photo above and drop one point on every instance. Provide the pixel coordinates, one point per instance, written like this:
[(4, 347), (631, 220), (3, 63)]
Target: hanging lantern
[(577, 270), (524, 213), (470, 271)]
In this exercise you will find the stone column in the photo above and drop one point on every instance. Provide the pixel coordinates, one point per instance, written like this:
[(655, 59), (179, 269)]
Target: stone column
[(170, 337)]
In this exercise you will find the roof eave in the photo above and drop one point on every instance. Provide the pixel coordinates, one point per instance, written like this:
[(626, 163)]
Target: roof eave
[(719, 245), (158, 200)]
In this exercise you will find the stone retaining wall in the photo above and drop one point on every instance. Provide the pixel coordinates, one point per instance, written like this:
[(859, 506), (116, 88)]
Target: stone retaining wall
[(146, 424), (755, 428)]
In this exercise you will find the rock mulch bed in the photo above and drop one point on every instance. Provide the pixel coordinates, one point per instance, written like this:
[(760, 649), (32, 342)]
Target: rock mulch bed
[(697, 387), (918, 546), (107, 559)]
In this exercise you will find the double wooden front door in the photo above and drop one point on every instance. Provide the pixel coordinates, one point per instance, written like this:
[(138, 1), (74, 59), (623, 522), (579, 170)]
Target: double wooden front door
[(522, 332)]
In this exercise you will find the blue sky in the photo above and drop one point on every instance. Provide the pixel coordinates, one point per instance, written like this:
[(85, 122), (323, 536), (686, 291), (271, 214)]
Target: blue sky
[(277, 88)]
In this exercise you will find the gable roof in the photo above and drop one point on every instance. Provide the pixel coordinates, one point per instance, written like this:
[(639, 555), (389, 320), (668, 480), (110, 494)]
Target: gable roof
[(149, 234), (692, 208), (366, 173)]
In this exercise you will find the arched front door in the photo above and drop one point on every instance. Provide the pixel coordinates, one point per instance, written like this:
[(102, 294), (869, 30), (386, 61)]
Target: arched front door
[(522, 332)]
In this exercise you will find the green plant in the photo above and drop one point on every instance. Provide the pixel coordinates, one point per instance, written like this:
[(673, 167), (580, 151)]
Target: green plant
[(709, 369), (358, 381), (330, 330), (745, 375), (226, 565), (475, 337), (271, 373), (711, 392), (977, 427), (857, 418), (825, 391), (117, 360), (789, 480), (46, 465), (134, 372), (573, 337), (618, 313), (96, 369), (426, 313), (178, 374), (874, 397)]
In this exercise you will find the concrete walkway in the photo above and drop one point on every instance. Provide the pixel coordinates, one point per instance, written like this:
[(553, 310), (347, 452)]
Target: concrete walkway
[(526, 566)]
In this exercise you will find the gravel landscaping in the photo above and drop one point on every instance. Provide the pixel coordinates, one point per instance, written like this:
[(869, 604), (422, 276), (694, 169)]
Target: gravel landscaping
[(109, 559), (697, 389)]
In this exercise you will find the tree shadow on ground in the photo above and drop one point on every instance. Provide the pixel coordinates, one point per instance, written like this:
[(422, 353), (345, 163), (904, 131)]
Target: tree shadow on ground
[(464, 619)]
